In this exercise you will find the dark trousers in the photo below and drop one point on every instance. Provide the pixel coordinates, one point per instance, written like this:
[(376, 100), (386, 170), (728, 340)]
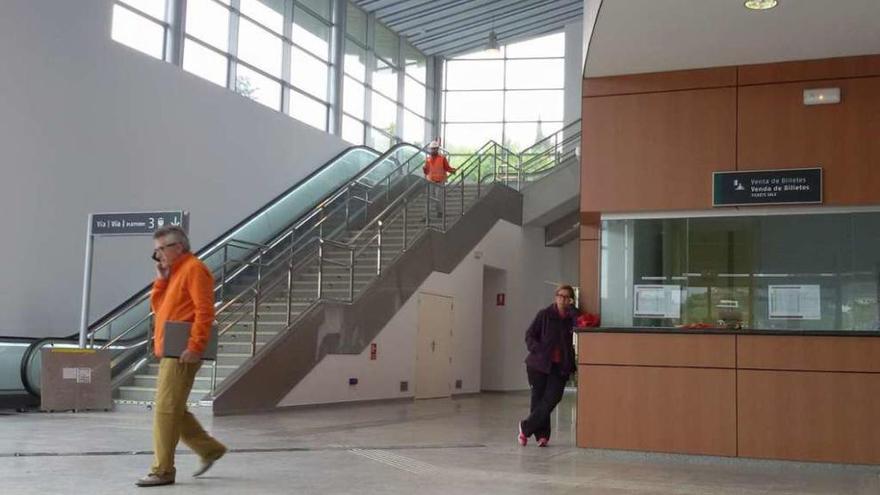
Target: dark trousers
[(547, 390)]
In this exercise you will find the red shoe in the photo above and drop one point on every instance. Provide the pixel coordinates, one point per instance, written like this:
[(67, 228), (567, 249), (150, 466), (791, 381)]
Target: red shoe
[(542, 442), (521, 438)]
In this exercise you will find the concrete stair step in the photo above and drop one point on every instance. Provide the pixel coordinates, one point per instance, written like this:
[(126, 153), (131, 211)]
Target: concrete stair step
[(148, 394), (238, 337), (223, 370)]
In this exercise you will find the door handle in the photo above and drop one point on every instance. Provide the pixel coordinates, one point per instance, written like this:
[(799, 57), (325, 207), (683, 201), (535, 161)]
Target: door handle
[(432, 345)]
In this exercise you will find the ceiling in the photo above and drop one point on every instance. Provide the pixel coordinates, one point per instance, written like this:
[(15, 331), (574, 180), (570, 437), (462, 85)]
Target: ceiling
[(636, 36), (454, 27)]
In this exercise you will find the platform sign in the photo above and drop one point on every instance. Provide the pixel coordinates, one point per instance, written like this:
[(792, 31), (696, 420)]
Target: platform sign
[(139, 223), (120, 224)]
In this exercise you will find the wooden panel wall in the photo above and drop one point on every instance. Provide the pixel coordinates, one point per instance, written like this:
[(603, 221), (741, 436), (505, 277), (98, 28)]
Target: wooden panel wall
[(768, 352), (776, 130), (683, 410), (656, 151), (809, 416), (774, 397), (707, 351), (809, 70), (651, 141), (660, 82)]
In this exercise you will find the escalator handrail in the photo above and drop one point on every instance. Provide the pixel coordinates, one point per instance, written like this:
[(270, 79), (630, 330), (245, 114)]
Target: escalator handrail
[(209, 247), (207, 250), (215, 245)]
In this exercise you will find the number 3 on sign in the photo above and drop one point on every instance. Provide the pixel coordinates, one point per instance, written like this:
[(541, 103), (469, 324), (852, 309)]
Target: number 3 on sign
[(152, 223)]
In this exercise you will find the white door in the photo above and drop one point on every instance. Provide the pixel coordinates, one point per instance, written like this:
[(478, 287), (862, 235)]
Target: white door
[(433, 355)]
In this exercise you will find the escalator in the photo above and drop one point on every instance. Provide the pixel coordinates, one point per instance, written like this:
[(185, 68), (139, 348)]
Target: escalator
[(13, 394), (233, 257), (330, 239)]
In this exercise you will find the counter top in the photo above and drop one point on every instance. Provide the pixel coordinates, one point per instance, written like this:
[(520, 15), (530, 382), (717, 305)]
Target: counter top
[(727, 331)]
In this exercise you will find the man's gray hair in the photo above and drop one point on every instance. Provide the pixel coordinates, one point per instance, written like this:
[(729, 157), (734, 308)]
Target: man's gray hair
[(175, 232)]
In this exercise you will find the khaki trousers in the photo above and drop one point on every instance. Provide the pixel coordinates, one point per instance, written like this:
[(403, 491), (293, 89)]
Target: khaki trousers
[(172, 421)]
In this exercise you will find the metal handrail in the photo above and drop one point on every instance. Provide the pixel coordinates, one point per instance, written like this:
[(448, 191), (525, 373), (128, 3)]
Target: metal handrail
[(551, 136), (217, 247), (555, 150), (507, 167), (270, 263)]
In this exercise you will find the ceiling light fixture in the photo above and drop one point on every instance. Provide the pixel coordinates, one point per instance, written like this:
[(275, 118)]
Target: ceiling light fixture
[(761, 4), (493, 45)]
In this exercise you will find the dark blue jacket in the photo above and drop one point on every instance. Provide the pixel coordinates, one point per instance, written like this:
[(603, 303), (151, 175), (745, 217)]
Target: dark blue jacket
[(546, 332)]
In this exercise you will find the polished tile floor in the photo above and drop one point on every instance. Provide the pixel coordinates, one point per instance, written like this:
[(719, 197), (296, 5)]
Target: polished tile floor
[(452, 447)]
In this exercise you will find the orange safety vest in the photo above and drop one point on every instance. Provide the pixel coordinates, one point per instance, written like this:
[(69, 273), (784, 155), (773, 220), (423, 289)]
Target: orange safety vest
[(437, 168)]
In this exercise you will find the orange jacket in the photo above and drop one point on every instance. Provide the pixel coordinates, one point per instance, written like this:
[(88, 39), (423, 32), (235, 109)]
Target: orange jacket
[(186, 295), (436, 167)]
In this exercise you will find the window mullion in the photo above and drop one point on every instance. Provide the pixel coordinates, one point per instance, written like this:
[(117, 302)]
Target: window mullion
[(335, 86), (401, 68), (286, 62), (175, 34), (232, 83), (368, 77)]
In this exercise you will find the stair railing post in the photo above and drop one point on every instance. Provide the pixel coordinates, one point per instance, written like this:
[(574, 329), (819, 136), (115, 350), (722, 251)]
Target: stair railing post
[(213, 377), (495, 162), (379, 247), (519, 173), (556, 150), (290, 282), (347, 206), (405, 228), (366, 206), (351, 274), (320, 291), (479, 175), (443, 210), (461, 212), (388, 190), (257, 295), (289, 308), (223, 273), (427, 203)]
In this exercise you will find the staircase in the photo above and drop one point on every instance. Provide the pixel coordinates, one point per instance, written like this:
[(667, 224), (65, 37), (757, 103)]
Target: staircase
[(289, 293), (235, 345)]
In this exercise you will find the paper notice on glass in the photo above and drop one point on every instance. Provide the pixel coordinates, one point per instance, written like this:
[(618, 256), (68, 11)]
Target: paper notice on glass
[(68, 373), (83, 375), (795, 302), (657, 301)]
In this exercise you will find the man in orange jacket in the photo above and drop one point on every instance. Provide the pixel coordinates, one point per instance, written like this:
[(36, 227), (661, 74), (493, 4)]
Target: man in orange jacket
[(183, 291), (436, 170)]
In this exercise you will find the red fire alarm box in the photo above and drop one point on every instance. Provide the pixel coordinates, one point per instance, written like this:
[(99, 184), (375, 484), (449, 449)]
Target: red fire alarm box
[(373, 351), (499, 299)]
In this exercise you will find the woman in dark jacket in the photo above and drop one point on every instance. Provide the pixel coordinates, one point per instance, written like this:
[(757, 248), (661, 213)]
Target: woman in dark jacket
[(549, 363)]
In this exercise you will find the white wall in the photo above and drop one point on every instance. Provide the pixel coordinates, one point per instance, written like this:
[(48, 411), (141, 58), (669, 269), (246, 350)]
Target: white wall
[(88, 125), (494, 326), (531, 270), (574, 64)]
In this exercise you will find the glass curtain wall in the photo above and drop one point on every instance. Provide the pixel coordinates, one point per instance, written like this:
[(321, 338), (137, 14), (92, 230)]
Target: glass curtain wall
[(384, 87), (278, 53), (514, 96), (142, 25)]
